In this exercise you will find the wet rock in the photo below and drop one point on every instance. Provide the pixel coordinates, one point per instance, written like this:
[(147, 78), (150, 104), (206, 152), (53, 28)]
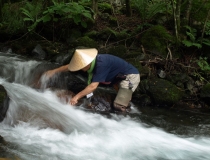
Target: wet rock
[(4, 103), (205, 93), (39, 53), (4, 153), (63, 59)]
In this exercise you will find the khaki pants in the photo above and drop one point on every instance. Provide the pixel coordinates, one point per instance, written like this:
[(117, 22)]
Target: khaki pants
[(134, 79)]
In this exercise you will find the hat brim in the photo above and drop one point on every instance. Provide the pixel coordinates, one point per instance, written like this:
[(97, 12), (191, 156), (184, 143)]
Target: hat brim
[(82, 58)]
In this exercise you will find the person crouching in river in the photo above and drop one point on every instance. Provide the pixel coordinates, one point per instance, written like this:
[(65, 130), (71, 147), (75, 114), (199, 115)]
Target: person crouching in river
[(103, 68)]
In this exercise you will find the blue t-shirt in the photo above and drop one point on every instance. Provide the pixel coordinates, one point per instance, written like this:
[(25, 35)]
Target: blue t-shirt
[(107, 67)]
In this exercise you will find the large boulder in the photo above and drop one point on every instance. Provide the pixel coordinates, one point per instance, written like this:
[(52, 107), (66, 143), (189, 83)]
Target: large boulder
[(162, 92), (4, 103)]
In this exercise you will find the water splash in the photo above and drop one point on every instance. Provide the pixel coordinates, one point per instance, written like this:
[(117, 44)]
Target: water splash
[(85, 135)]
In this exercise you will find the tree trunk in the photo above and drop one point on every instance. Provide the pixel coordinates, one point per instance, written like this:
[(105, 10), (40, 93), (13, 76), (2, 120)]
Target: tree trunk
[(188, 11), (95, 8), (175, 20), (204, 26), (178, 13), (176, 5), (128, 8)]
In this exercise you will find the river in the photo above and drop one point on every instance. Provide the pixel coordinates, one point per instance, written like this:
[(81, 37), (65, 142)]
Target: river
[(40, 127)]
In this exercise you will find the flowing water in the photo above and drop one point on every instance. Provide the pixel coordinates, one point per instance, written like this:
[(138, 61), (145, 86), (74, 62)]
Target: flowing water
[(39, 126)]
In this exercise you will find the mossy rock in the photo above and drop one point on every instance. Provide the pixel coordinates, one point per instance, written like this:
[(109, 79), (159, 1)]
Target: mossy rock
[(92, 34), (156, 39), (122, 35), (113, 21), (105, 7), (107, 33), (119, 51), (161, 91), (135, 62)]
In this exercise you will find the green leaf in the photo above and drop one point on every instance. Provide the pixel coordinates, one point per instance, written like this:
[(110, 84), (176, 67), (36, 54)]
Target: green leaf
[(46, 18), (28, 19), (84, 24), (187, 43)]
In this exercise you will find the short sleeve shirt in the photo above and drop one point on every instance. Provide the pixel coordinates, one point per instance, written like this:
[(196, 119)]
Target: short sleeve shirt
[(108, 66)]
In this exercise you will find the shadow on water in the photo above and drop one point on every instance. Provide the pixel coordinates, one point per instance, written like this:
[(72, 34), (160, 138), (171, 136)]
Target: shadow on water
[(180, 122)]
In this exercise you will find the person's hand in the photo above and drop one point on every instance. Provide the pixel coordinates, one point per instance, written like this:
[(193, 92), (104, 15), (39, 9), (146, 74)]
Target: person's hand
[(74, 100)]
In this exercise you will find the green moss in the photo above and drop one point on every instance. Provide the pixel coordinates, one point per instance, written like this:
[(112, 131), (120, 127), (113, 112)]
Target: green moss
[(92, 34), (122, 35), (161, 91), (119, 51), (85, 41), (105, 7), (156, 39), (107, 33), (112, 21)]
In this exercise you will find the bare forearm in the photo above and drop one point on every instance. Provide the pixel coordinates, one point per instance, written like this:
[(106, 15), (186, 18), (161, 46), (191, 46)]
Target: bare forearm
[(90, 88), (61, 69)]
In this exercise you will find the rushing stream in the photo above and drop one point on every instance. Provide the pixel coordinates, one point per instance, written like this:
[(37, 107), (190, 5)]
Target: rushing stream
[(38, 126)]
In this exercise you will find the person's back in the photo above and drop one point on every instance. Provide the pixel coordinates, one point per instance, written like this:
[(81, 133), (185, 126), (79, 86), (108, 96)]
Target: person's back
[(107, 67)]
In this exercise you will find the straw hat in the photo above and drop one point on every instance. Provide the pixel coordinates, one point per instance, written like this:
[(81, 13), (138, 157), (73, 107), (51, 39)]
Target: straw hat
[(81, 58)]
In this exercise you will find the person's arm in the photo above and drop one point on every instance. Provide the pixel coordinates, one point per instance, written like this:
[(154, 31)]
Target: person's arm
[(50, 73), (90, 88)]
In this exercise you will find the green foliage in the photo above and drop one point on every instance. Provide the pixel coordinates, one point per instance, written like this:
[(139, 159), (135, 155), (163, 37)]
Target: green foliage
[(67, 11), (148, 9), (56, 12), (12, 21), (105, 7), (191, 33), (193, 40), (31, 12), (207, 29), (203, 64), (199, 10)]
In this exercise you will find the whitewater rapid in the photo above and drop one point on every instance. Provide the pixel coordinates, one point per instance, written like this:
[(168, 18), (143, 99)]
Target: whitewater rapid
[(41, 127)]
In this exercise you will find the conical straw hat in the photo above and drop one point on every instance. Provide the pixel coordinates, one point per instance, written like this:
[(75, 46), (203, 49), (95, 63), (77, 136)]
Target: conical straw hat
[(81, 58)]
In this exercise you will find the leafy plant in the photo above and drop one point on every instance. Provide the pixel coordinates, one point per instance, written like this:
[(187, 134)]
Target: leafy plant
[(31, 12), (56, 12), (203, 64), (207, 30), (191, 34), (11, 19), (148, 10), (193, 40), (71, 10)]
